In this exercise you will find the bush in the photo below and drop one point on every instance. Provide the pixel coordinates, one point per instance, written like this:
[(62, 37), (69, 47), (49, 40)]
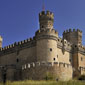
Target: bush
[(48, 76), (82, 77)]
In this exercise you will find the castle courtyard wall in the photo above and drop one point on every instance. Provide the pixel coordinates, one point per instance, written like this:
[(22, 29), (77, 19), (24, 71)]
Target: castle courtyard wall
[(8, 59), (12, 65), (60, 71), (45, 54), (65, 58), (81, 60), (27, 55), (23, 56)]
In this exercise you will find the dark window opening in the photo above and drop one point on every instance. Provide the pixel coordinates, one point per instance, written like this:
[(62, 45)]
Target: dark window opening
[(49, 18), (75, 46), (42, 26), (17, 60), (57, 56), (54, 59), (65, 42), (64, 65), (70, 60), (81, 59), (50, 49)]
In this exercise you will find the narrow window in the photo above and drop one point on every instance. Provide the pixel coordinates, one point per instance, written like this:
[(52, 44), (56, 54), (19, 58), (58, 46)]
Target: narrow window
[(70, 60), (57, 56), (81, 59), (54, 59), (50, 49), (75, 46), (42, 26), (17, 60)]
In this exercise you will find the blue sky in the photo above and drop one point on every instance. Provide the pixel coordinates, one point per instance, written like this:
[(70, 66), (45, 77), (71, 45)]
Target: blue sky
[(19, 18)]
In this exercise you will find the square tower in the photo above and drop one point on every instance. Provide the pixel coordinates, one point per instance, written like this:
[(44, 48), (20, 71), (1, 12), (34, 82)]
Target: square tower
[(73, 36)]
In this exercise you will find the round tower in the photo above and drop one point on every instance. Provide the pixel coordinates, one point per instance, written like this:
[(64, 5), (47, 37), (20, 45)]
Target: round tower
[(46, 38), (73, 36), (1, 39), (46, 20)]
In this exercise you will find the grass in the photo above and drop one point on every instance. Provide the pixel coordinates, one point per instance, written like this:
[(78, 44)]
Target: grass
[(30, 82)]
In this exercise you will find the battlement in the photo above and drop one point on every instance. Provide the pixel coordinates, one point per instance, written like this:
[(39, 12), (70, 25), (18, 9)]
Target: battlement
[(70, 30), (48, 64), (20, 44), (46, 20), (39, 69), (46, 31), (46, 15), (64, 44), (73, 36), (82, 68)]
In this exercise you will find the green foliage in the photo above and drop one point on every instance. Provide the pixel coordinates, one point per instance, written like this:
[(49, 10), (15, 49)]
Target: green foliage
[(48, 76), (30, 82), (82, 77)]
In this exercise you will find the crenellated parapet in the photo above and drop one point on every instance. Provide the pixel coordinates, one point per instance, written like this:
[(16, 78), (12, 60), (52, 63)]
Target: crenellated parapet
[(46, 32), (39, 70), (48, 64), (18, 46), (64, 45), (73, 36), (70, 30), (46, 16), (46, 20), (82, 70)]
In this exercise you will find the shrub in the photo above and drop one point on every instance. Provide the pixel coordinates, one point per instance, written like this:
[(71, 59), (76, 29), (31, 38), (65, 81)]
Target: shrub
[(82, 77), (48, 76)]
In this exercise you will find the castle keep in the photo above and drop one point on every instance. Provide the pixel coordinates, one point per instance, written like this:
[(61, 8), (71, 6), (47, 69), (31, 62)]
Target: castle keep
[(45, 54)]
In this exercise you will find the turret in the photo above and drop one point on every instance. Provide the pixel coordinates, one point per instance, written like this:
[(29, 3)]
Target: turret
[(1, 39), (73, 36), (46, 20), (46, 38)]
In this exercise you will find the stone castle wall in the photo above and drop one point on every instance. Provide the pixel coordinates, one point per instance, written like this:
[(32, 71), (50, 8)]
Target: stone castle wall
[(81, 60), (82, 70), (24, 51), (39, 71), (44, 47), (51, 48), (12, 57)]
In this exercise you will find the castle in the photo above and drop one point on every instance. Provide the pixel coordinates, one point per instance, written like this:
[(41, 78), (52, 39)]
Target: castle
[(45, 54)]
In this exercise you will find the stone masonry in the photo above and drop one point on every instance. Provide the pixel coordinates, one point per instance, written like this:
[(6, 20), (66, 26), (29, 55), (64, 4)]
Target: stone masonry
[(45, 54)]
